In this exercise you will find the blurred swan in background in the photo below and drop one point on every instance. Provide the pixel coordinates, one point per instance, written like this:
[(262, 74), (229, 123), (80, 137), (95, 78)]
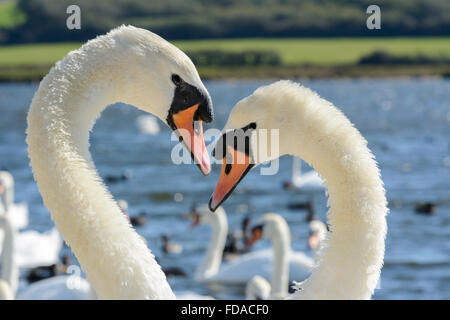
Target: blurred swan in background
[(257, 288), (148, 124), (303, 182), (18, 212), (64, 287), (31, 249), (58, 288), (137, 67), (313, 129), (34, 249), (245, 266), (9, 276), (274, 227)]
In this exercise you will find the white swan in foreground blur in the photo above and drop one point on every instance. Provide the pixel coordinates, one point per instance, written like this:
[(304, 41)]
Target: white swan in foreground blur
[(313, 129), (18, 212), (245, 266), (133, 66)]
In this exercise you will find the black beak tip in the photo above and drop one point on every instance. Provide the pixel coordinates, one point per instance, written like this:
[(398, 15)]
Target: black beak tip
[(211, 208)]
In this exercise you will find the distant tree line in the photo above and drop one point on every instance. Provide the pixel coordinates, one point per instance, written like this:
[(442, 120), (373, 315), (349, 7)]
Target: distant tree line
[(243, 58), (386, 58), (187, 19)]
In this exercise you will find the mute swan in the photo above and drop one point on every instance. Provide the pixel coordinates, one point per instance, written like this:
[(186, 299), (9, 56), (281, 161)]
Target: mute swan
[(139, 68), (64, 287), (246, 266), (9, 271), (31, 248), (34, 249), (60, 287), (148, 125), (18, 212), (272, 226), (313, 129), (257, 288)]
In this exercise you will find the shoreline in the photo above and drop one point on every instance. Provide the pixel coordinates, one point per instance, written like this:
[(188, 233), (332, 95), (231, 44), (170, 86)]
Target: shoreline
[(35, 73)]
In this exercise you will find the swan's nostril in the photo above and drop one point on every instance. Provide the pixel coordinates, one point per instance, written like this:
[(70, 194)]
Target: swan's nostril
[(228, 168)]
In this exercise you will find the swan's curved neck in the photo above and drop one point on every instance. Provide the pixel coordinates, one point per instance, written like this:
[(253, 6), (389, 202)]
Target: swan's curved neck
[(7, 197), (9, 271), (351, 260), (70, 98), (280, 269), (213, 257)]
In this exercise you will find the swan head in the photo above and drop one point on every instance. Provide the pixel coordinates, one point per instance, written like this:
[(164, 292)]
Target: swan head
[(162, 80), (270, 226), (202, 215), (268, 110)]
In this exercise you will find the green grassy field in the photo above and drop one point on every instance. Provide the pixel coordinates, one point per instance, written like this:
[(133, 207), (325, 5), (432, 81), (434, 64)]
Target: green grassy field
[(320, 52), (327, 50)]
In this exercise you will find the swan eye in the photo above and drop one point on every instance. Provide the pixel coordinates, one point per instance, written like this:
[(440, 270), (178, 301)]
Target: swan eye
[(176, 79)]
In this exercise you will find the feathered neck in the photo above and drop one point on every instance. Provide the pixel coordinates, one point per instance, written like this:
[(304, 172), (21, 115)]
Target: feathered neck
[(350, 261), (70, 98), (281, 243), (213, 257)]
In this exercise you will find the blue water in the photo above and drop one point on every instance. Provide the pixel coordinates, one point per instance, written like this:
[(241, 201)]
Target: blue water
[(407, 125)]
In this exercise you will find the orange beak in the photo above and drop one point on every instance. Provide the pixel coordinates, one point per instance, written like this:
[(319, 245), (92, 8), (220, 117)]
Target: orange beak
[(230, 176), (313, 241), (185, 121)]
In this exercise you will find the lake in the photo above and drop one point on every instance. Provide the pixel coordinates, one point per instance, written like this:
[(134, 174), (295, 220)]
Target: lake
[(406, 123)]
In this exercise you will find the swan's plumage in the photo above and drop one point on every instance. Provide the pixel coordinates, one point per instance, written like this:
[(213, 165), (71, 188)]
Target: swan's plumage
[(130, 65), (312, 128)]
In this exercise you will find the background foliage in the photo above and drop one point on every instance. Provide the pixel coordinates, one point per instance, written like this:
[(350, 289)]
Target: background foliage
[(44, 20)]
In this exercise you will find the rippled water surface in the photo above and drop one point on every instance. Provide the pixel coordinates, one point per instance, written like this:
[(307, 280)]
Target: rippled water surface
[(406, 123)]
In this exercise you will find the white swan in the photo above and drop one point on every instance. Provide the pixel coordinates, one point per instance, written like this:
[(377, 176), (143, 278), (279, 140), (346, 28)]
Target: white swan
[(305, 181), (313, 129), (130, 65), (258, 288), (64, 287), (9, 275), (31, 248), (18, 212), (272, 226), (246, 266), (60, 287), (148, 124), (34, 249)]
